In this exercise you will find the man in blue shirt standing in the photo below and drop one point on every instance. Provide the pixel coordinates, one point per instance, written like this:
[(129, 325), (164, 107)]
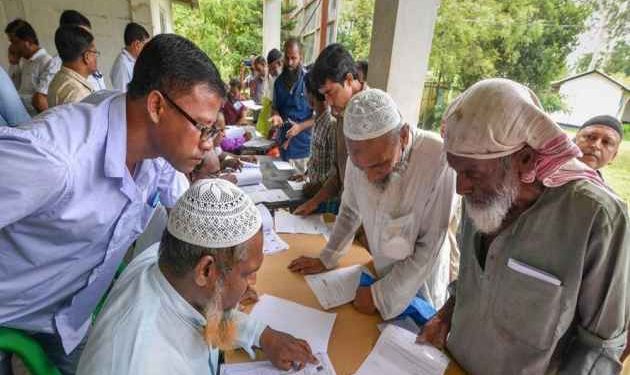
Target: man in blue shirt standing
[(292, 114), (80, 182)]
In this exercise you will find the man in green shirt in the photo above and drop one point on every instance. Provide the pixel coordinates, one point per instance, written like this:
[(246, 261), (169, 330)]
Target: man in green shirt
[(544, 267)]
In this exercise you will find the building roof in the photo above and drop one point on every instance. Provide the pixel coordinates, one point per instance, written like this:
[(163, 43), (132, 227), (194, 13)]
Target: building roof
[(559, 83)]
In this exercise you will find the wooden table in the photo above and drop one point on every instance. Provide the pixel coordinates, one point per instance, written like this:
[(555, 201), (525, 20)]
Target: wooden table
[(354, 334)]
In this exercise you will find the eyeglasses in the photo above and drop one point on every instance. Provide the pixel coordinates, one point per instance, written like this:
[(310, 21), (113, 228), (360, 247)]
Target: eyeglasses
[(207, 131), (94, 51)]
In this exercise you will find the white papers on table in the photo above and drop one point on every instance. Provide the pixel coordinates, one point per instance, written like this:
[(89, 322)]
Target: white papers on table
[(272, 243), (302, 322), (232, 131), (269, 196), (324, 367), (396, 352), (337, 287), (297, 185), (289, 223), (282, 165), (253, 188), (259, 143), (248, 176), (250, 104)]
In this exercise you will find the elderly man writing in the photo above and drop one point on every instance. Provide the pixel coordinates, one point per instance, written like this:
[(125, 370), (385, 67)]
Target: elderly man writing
[(400, 188), (544, 245), (173, 308)]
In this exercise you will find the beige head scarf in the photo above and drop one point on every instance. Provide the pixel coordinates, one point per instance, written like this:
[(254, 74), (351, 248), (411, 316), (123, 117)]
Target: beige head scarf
[(498, 117)]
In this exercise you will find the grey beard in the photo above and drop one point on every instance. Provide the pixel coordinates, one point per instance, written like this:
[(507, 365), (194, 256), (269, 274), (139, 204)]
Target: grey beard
[(488, 216)]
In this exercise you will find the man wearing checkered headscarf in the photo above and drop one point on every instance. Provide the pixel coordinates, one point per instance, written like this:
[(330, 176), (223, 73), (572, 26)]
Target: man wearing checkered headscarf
[(173, 308)]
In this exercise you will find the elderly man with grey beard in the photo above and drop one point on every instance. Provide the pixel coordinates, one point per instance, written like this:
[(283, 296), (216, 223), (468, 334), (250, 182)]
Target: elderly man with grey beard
[(543, 284), (172, 309), (399, 186)]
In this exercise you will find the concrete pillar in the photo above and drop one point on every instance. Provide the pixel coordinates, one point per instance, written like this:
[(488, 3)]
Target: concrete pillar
[(272, 16), (399, 52)]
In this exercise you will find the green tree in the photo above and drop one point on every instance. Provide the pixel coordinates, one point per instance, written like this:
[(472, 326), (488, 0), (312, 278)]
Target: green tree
[(618, 62), (229, 31), (355, 27)]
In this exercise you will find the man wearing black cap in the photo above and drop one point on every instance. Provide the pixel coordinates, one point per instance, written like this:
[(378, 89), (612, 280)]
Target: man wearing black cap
[(599, 139)]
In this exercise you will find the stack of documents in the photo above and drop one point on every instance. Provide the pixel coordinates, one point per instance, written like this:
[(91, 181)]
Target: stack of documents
[(248, 176), (282, 165), (290, 317), (268, 196), (396, 352), (324, 367), (337, 287), (272, 242), (289, 223)]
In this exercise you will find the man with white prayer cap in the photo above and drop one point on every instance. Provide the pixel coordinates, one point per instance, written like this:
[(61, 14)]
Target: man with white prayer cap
[(543, 283), (172, 309), (399, 186)]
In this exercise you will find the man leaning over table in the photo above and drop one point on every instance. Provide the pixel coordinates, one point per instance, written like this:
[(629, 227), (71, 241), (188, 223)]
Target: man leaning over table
[(80, 183), (399, 186), (543, 283), (173, 308)]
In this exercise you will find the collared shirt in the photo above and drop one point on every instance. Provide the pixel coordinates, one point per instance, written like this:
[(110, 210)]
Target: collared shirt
[(35, 76), (122, 70), (405, 223), (292, 104), (12, 111), (95, 79), (323, 155), (147, 327), (70, 210), (509, 321), (68, 86)]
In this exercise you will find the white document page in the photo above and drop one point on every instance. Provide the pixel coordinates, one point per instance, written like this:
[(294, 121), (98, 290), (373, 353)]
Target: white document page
[(303, 322), (272, 243), (337, 287), (248, 176), (396, 352), (259, 142), (274, 195), (324, 367), (289, 223), (282, 165), (297, 185), (253, 188)]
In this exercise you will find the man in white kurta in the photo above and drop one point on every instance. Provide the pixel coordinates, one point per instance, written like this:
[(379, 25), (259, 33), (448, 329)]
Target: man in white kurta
[(405, 216), (156, 317)]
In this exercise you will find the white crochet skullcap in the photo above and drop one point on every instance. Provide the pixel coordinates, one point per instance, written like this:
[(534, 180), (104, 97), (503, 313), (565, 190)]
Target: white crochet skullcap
[(214, 213), (370, 114)]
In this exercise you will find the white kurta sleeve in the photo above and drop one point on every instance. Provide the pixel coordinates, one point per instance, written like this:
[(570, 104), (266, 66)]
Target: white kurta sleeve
[(394, 291), (346, 224), (249, 332)]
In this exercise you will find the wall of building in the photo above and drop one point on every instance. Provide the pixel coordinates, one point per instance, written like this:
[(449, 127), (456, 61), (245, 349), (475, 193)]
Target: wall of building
[(108, 20), (586, 97)]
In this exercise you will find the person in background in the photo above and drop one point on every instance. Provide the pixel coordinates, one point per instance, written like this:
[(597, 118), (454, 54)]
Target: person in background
[(545, 266), (335, 76), (362, 70), (599, 139), (274, 68), (323, 147), (71, 17), (292, 115), (135, 37), (106, 164), (79, 56), (12, 111), (233, 110), (257, 81), (36, 70), (174, 307)]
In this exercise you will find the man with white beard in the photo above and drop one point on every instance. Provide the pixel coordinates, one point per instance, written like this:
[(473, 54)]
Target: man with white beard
[(172, 310), (543, 283), (398, 185)]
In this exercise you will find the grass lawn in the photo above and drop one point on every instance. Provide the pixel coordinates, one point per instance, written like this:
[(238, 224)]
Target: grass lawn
[(617, 174)]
